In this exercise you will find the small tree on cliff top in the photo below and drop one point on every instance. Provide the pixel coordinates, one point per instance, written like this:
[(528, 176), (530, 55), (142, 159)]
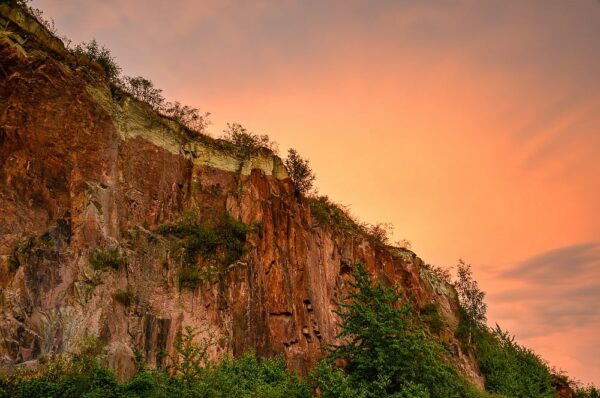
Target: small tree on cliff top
[(300, 172), (471, 298), (144, 90), (102, 56), (189, 116), (246, 143)]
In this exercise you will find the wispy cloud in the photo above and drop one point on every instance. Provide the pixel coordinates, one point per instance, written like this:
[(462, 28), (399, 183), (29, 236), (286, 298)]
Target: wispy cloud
[(554, 298)]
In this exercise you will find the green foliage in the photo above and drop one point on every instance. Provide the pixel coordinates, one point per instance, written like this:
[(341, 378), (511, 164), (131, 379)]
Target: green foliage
[(430, 314), (102, 56), (76, 375), (101, 259), (471, 300), (509, 368), (220, 242), (589, 391), (328, 213), (37, 14), (191, 357), (387, 352), (144, 90), (190, 277), (441, 274), (245, 143), (379, 233), (300, 172), (82, 375), (124, 297), (188, 116)]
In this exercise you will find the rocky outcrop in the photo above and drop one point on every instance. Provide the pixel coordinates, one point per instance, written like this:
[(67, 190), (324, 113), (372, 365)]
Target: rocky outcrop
[(84, 166)]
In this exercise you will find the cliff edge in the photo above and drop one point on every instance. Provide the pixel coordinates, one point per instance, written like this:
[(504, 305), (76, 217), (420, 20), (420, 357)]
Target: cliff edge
[(87, 171)]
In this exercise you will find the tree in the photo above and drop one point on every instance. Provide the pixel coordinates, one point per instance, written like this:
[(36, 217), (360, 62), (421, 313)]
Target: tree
[(144, 90), (386, 350), (102, 56), (187, 116), (246, 143), (470, 298), (300, 172), (379, 233)]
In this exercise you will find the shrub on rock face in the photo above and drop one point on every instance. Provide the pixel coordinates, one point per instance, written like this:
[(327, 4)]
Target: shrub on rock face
[(189, 277), (219, 242), (124, 297), (101, 259)]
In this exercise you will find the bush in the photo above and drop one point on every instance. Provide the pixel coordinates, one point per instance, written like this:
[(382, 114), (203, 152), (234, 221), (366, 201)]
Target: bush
[(102, 56), (144, 90), (328, 213), (37, 14), (190, 277), (386, 352), (82, 375), (124, 297), (471, 300), (101, 259), (379, 233), (586, 392), (510, 369), (442, 274), (245, 143), (220, 242), (188, 116), (300, 172), (430, 313)]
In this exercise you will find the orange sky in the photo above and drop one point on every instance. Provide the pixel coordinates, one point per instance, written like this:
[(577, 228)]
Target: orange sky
[(472, 126)]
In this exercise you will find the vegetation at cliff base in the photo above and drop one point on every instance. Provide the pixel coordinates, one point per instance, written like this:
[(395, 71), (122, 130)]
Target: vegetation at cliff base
[(386, 350), (84, 375), (510, 370)]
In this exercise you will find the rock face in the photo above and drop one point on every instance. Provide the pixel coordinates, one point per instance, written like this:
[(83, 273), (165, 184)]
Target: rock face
[(83, 166)]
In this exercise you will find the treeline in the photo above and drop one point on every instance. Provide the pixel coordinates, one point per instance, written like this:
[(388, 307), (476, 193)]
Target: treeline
[(388, 350)]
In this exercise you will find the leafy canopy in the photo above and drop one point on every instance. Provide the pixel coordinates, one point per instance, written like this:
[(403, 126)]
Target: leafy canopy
[(386, 350)]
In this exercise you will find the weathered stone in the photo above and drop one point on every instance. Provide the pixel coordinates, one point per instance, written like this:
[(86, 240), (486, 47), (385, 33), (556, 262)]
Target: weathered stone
[(82, 167)]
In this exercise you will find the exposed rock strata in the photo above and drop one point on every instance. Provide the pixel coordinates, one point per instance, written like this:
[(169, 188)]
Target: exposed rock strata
[(84, 166)]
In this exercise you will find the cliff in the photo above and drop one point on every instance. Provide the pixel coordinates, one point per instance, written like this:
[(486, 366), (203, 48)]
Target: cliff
[(85, 167)]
